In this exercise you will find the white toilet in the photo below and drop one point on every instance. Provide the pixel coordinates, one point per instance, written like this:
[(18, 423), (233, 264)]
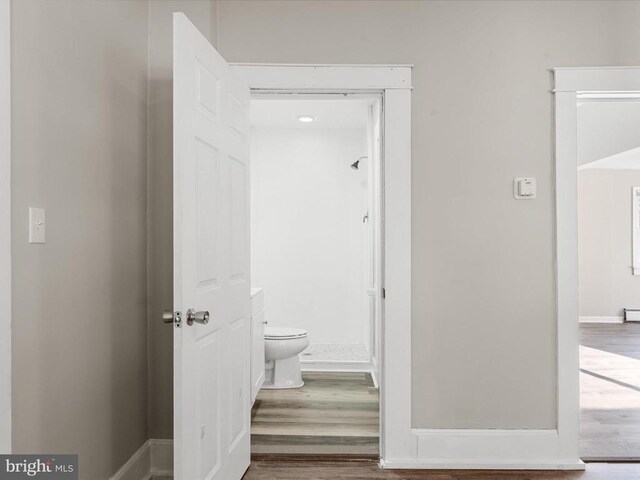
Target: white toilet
[(281, 349)]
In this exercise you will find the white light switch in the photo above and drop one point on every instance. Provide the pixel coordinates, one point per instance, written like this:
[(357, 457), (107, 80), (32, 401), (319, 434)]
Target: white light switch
[(36, 225), (524, 188)]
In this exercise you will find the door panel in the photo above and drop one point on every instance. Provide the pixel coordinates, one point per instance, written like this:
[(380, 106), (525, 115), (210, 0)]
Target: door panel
[(207, 201), (211, 259), (210, 397), (237, 417)]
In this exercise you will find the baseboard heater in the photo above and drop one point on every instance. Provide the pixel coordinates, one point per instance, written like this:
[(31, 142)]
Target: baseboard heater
[(632, 314)]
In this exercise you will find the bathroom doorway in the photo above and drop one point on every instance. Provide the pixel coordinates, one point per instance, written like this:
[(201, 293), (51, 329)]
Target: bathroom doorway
[(316, 268)]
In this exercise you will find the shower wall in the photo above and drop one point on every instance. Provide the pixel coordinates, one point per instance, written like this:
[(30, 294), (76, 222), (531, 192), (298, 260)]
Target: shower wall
[(308, 245)]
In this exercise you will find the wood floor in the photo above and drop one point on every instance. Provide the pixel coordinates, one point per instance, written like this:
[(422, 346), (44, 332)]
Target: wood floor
[(368, 470), (333, 413), (610, 391), (338, 414)]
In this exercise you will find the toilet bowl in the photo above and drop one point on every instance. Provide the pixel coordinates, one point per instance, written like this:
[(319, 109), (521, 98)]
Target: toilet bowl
[(281, 349)]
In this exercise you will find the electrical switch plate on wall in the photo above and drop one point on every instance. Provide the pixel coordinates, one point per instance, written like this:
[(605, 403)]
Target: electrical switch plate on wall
[(524, 188), (36, 225)]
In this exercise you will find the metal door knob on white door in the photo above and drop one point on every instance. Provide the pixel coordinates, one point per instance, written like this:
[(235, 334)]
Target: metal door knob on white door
[(197, 317)]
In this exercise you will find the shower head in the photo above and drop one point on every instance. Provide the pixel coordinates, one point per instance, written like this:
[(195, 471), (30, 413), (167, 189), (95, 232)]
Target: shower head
[(354, 165)]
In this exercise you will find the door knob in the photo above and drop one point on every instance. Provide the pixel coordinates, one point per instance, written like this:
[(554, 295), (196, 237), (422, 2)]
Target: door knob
[(198, 317)]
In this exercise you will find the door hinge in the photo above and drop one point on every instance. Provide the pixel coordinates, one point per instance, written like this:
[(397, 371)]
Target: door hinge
[(384, 293)]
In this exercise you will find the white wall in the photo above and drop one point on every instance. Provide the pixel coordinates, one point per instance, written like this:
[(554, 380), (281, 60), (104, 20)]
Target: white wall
[(607, 284), (308, 240)]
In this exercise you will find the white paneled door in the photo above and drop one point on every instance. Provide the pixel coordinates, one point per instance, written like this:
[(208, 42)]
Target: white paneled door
[(211, 261)]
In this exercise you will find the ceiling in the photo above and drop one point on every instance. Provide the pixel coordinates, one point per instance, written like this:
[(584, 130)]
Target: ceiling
[(609, 134), (334, 113), (629, 160)]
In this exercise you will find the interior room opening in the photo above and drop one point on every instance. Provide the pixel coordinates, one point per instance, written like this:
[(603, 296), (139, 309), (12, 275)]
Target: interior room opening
[(316, 271), (609, 277)]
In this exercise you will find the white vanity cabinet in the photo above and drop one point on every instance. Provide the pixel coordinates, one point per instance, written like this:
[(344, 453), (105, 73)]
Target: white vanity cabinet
[(257, 341)]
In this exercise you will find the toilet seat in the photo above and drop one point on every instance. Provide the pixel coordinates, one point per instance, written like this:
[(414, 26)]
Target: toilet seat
[(283, 333)]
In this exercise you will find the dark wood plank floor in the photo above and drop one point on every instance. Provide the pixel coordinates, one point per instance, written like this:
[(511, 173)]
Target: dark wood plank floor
[(368, 470), (333, 413), (610, 391)]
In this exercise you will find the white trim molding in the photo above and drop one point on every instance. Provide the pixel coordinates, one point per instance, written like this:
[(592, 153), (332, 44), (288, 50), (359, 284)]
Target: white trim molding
[(153, 459), (5, 231), (601, 80), (569, 85), (325, 77), (161, 462), (635, 229), (394, 81), (137, 467), (591, 319), (487, 449)]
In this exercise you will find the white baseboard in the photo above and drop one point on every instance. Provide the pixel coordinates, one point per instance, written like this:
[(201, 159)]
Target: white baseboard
[(334, 366), (601, 319), (428, 465), (485, 449), (137, 467), (153, 458), (374, 378), (161, 464), (435, 449)]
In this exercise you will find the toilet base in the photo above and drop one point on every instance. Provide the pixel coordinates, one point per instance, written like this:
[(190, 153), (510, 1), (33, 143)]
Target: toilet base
[(280, 374)]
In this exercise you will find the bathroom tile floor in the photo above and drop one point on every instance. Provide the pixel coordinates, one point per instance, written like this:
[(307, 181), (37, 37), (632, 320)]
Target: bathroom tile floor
[(610, 391), (333, 413)]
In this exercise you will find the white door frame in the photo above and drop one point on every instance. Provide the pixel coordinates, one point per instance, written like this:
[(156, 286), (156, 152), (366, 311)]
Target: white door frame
[(394, 81), (5, 231), (569, 85)]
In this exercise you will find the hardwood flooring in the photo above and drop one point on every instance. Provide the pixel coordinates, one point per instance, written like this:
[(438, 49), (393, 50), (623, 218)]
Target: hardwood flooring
[(610, 391), (338, 413), (368, 470), (333, 413)]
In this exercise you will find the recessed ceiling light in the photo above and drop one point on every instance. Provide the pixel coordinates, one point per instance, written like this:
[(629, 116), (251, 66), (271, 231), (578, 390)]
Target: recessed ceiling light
[(306, 118)]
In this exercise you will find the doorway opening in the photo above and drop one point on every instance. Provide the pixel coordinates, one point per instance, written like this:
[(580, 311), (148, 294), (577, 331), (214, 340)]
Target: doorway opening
[(573, 88), (316, 269), (609, 277)]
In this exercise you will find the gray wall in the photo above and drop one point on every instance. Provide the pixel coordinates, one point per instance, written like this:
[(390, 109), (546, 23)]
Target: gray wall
[(607, 284), (483, 279), (481, 113), (79, 78), (160, 199)]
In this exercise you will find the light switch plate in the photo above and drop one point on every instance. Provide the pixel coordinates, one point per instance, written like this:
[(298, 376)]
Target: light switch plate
[(36, 225), (525, 188)]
